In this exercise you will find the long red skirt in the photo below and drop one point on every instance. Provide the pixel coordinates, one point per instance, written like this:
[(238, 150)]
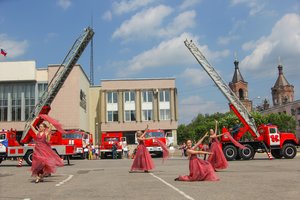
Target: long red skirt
[(200, 170), (217, 159), (44, 159), (142, 160)]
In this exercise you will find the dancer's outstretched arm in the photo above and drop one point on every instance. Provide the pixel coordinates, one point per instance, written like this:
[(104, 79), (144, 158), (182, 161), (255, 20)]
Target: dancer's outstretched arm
[(200, 141)]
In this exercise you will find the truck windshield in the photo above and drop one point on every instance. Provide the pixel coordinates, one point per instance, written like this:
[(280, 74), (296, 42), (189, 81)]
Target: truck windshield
[(155, 134), (72, 136), (109, 139), (2, 137)]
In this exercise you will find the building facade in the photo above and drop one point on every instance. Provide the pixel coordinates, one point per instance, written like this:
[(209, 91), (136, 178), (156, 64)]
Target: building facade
[(131, 104), (22, 84), (117, 105)]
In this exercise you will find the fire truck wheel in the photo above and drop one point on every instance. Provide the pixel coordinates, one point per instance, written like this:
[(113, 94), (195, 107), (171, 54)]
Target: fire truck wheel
[(238, 156), (247, 153), (230, 152), (276, 153), (28, 157), (289, 151)]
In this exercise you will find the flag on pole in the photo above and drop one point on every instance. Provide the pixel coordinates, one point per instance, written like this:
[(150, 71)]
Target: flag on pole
[(3, 52)]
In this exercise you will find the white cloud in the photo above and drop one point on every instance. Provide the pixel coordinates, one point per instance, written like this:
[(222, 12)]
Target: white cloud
[(180, 23), (195, 76), (107, 16), (126, 6), (143, 24), (191, 106), (13, 48), (255, 6), (188, 4), (284, 41), (225, 40), (168, 53), (65, 4)]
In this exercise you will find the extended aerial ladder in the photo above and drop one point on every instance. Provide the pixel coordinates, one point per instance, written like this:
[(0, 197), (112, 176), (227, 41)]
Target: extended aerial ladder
[(43, 106), (235, 104)]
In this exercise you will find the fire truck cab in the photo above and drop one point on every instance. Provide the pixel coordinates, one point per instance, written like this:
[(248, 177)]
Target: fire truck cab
[(107, 142), (151, 144)]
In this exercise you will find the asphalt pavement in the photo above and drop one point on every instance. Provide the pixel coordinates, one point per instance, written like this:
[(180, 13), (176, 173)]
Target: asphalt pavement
[(110, 179)]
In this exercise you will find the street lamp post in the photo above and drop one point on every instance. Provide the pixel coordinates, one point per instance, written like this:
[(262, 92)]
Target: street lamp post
[(97, 134)]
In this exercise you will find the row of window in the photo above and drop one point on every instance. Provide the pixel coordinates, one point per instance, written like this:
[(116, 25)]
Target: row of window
[(129, 98), (18, 99), (130, 115), (147, 96)]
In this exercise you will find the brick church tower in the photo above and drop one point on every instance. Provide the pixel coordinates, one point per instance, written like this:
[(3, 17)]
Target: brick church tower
[(240, 87), (282, 92)]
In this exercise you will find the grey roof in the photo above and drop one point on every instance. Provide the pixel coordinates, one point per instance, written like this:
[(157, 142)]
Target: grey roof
[(237, 76), (281, 80)]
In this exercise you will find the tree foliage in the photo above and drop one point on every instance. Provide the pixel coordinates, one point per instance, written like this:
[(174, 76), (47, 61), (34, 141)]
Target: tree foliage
[(202, 123)]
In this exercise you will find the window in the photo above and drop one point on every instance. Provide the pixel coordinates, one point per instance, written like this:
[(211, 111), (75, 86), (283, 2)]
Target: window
[(241, 94), (147, 115), (164, 114), (112, 116), (298, 111), (42, 87), (155, 134), (129, 96), (112, 97), (273, 130), (129, 115), (164, 96), (147, 96)]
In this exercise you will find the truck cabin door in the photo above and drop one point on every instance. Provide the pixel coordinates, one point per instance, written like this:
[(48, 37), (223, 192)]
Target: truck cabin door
[(274, 136), (3, 142)]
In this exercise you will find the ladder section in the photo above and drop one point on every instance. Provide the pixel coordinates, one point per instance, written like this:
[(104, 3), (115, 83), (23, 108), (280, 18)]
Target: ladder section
[(223, 87), (60, 76)]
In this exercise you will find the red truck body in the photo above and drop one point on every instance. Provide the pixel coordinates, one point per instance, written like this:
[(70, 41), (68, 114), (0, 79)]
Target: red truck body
[(280, 144), (107, 141), (11, 148), (80, 139), (151, 144)]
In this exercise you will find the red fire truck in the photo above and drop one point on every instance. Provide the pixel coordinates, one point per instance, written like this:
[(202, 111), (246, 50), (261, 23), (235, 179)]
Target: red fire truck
[(80, 139), (151, 144), (266, 138), (107, 142), (10, 147)]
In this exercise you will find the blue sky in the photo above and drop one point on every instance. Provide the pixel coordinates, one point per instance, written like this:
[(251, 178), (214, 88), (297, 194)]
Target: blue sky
[(144, 39)]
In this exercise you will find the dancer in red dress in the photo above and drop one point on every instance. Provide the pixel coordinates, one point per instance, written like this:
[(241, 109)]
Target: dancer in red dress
[(200, 170), (142, 160), (44, 159), (217, 159)]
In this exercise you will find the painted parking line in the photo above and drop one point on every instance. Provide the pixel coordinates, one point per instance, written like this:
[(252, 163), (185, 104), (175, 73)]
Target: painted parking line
[(65, 180), (173, 187)]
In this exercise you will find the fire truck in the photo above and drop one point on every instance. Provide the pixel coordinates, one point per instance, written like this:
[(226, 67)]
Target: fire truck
[(78, 138), (10, 146), (151, 144), (107, 142), (266, 138)]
